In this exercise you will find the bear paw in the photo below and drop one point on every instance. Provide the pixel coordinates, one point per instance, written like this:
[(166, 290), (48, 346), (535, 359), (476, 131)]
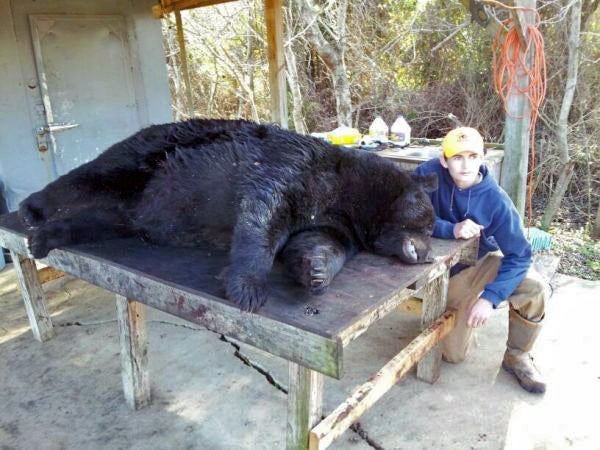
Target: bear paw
[(249, 292), (38, 244), (43, 239), (35, 210)]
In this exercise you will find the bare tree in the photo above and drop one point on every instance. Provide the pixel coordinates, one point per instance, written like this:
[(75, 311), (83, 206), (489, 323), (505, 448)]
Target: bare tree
[(326, 31), (293, 77), (566, 172)]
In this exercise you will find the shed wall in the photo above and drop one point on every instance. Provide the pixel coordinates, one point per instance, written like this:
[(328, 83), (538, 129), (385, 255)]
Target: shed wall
[(22, 170)]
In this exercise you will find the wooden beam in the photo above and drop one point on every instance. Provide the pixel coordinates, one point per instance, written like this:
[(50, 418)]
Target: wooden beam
[(276, 58), (305, 405), (134, 352), (184, 64), (46, 274), (323, 353), (434, 305), (469, 254), (169, 6), (516, 126), (363, 397), (33, 297)]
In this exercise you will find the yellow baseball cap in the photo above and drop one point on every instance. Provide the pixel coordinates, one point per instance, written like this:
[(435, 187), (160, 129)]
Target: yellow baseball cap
[(463, 139)]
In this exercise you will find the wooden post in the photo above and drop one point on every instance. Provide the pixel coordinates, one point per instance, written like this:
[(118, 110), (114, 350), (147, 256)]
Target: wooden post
[(33, 297), (184, 64), (305, 405), (434, 305), (275, 54), (518, 116), (134, 352)]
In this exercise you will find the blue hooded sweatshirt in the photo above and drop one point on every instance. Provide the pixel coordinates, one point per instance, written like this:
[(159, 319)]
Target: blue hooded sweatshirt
[(485, 204)]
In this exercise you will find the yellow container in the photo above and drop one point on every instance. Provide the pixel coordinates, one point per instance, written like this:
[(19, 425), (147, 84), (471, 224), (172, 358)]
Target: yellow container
[(344, 136)]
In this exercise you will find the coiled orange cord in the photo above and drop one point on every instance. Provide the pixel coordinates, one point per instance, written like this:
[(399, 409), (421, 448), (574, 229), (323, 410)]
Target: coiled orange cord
[(511, 60)]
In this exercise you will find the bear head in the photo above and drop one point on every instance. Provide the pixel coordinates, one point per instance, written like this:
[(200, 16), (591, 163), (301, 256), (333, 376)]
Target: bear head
[(407, 228)]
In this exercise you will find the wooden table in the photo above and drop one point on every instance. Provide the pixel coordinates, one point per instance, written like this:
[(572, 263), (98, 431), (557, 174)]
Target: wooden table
[(310, 332)]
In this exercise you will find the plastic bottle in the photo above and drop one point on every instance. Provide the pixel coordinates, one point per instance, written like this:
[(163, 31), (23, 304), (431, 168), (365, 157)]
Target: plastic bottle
[(344, 136), (379, 129), (401, 132)]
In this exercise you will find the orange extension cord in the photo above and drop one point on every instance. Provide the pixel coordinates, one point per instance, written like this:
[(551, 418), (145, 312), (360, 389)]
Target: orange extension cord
[(510, 60)]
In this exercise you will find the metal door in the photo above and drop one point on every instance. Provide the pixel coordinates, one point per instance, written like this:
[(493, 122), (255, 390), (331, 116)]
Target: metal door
[(85, 76)]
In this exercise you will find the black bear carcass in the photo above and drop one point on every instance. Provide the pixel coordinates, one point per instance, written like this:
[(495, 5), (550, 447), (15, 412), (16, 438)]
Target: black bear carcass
[(259, 190)]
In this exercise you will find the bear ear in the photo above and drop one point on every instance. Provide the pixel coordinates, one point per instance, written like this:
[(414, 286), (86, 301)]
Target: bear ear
[(428, 182)]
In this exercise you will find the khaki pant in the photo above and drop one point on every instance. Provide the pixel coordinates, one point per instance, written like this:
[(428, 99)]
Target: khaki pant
[(526, 307)]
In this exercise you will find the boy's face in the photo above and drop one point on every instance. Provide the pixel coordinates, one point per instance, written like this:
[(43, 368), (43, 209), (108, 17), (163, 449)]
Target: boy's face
[(463, 167)]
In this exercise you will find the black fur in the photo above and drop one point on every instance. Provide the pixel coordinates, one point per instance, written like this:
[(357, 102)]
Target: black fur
[(257, 189)]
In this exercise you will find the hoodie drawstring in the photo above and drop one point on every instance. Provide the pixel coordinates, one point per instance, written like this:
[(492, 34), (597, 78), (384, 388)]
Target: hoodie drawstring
[(468, 201)]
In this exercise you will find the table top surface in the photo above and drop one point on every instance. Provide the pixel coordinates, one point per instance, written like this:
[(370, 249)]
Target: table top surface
[(364, 282)]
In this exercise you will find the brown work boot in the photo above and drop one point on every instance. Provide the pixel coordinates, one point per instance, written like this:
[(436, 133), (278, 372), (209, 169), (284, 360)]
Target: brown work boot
[(520, 364)]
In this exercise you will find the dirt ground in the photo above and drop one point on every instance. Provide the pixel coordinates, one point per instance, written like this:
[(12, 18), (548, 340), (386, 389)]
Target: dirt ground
[(66, 393)]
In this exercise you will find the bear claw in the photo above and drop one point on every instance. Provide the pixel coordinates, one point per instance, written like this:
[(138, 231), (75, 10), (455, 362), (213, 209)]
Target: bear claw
[(34, 210), (248, 292)]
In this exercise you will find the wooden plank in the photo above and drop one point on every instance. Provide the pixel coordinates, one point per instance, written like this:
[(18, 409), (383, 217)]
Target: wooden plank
[(33, 297), (305, 405), (363, 397), (169, 6), (184, 65), (434, 305), (320, 352), (46, 274), (469, 253), (308, 330), (15, 242), (366, 289), (276, 59), (134, 352)]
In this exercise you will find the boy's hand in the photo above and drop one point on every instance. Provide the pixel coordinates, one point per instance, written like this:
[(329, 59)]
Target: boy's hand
[(467, 229), (479, 313)]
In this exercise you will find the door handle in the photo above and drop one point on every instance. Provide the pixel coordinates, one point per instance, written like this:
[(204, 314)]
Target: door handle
[(56, 126), (43, 132)]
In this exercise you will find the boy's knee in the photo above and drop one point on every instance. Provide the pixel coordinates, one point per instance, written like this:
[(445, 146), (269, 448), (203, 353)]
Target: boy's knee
[(534, 284), (532, 294)]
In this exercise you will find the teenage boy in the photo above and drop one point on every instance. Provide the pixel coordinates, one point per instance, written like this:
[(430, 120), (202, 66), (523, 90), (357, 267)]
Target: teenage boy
[(470, 203)]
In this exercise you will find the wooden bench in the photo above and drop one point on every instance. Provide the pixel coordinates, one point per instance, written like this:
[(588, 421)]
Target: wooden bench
[(310, 332)]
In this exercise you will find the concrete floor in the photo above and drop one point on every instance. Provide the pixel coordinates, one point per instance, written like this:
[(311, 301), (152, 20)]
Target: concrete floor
[(66, 393)]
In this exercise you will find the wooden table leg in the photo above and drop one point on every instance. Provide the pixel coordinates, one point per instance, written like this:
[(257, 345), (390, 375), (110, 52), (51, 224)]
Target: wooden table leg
[(134, 352), (305, 405), (434, 305), (33, 297)]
